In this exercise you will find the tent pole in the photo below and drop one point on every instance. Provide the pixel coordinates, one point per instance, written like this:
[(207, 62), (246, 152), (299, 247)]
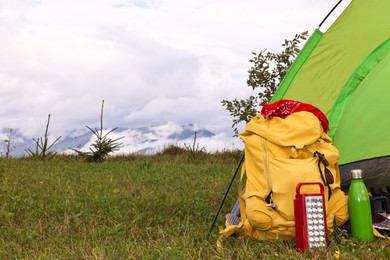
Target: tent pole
[(226, 193), (331, 11)]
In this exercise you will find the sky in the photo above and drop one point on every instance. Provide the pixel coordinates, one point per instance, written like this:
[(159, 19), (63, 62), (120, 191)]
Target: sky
[(152, 61)]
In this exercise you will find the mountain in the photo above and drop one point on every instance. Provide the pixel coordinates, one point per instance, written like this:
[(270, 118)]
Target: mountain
[(18, 142), (144, 140)]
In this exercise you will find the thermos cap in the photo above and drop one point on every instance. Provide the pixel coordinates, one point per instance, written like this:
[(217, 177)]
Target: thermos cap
[(356, 174)]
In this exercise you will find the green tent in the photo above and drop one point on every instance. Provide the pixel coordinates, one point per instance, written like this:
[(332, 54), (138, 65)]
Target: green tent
[(345, 72)]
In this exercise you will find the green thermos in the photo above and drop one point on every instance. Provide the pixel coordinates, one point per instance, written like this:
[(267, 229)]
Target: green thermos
[(359, 207)]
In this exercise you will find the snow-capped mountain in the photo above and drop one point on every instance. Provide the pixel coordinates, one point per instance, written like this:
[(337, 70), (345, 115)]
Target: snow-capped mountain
[(145, 140)]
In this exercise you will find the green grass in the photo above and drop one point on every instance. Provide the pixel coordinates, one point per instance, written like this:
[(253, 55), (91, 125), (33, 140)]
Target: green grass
[(134, 207)]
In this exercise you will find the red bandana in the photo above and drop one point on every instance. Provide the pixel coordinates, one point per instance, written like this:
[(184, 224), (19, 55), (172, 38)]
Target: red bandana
[(285, 107)]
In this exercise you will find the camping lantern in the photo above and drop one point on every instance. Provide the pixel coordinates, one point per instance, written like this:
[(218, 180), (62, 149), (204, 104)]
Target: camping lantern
[(310, 219)]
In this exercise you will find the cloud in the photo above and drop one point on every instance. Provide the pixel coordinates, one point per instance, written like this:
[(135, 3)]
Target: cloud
[(151, 61)]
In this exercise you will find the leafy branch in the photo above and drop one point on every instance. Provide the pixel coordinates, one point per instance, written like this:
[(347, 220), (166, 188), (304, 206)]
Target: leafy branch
[(265, 75)]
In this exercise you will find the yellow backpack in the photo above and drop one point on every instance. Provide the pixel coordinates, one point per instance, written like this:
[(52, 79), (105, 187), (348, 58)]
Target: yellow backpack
[(279, 154)]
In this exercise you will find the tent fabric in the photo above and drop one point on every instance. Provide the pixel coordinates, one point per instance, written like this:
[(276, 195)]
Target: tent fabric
[(298, 63), (346, 74), (376, 173)]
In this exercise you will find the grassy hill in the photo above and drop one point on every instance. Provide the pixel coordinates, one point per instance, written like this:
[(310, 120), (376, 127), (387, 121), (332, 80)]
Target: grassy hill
[(135, 207)]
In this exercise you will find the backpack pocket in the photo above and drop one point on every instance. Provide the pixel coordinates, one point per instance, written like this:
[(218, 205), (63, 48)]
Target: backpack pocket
[(285, 174)]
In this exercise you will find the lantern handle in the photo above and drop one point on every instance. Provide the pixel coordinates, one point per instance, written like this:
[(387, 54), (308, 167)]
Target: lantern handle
[(298, 189)]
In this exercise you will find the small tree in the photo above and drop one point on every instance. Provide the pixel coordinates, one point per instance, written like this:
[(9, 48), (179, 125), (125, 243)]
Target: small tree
[(42, 146), (265, 74), (8, 143), (103, 145), (194, 151)]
